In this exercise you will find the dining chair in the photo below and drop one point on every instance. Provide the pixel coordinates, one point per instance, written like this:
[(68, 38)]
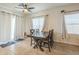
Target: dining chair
[(48, 42), (37, 30), (31, 32)]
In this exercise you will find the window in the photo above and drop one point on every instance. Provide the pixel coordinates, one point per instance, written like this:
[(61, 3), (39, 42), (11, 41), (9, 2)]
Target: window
[(72, 23), (38, 23)]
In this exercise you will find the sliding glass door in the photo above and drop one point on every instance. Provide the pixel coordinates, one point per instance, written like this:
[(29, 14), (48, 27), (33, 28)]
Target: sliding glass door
[(13, 19), (5, 26)]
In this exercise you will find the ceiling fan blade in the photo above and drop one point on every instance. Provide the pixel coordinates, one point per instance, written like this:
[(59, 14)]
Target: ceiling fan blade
[(25, 7), (19, 7), (31, 8)]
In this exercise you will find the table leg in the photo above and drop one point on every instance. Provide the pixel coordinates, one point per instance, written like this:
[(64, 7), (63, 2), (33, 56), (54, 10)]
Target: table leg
[(38, 44)]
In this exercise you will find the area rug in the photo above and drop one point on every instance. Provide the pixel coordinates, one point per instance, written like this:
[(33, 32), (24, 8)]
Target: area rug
[(10, 43)]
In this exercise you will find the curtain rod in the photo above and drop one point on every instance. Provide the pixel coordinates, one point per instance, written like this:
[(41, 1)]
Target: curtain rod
[(9, 13), (39, 16), (63, 11)]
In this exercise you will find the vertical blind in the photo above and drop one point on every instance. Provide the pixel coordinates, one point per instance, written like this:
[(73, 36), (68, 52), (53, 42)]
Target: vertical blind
[(10, 26), (13, 18), (5, 24), (19, 27)]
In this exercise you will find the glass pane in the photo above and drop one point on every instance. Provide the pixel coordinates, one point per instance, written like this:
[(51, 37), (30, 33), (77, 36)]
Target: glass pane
[(72, 18), (72, 29), (72, 23), (38, 23)]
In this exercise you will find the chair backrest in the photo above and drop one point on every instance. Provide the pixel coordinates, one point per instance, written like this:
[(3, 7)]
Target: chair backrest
[(50, 37), (32, 31), (37, 30)]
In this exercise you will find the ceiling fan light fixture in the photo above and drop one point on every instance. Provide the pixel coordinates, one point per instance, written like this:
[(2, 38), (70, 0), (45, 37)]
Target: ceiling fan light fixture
[(25, 8), (25, 11)]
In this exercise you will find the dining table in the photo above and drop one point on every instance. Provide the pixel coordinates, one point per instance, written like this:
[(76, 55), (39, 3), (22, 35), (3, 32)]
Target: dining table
[(38, 38)]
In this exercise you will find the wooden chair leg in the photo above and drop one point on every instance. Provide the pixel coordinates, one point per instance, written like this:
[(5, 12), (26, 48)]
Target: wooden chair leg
[(31, 42), (51, 44), (49, 47)]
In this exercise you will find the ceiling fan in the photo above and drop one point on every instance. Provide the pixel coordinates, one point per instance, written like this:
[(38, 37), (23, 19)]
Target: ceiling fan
[(25, 7)]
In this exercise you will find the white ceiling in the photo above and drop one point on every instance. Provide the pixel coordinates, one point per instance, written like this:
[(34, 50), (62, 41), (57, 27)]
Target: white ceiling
[(38, 6)]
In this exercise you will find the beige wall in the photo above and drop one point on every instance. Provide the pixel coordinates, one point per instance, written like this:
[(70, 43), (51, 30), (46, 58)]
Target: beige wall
[(55, 22)]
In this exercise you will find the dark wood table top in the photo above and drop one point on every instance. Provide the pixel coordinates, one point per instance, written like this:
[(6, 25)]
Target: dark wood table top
[(39, 35)]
